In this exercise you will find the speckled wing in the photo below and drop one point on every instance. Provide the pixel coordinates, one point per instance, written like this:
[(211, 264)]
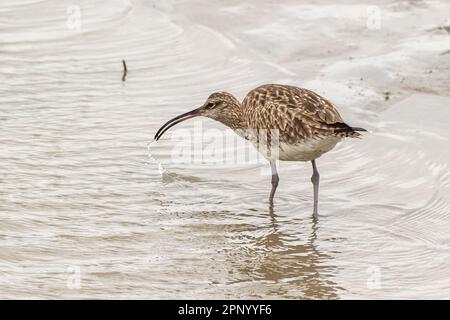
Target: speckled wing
[(298, 113)]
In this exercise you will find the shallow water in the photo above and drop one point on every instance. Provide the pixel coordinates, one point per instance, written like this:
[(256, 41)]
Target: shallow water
[(88, 211)]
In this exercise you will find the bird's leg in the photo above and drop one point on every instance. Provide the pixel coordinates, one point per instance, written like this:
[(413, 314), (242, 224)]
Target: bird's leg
[(315, 180), (275, 180)]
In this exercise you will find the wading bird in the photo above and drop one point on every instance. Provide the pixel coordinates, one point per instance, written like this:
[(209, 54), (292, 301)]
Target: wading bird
[(283, 122)]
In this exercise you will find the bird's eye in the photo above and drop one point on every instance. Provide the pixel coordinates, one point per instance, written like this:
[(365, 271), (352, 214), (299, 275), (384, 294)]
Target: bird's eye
[(210, 105)]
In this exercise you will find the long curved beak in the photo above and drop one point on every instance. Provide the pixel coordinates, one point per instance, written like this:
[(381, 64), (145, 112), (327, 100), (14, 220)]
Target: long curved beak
[(169, 124)]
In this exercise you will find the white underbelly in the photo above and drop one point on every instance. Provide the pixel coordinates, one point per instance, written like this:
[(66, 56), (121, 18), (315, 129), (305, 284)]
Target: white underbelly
[(307, 150)]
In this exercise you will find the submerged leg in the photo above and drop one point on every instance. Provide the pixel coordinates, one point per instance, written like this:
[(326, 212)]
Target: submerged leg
[(275, 180), (315, 180)]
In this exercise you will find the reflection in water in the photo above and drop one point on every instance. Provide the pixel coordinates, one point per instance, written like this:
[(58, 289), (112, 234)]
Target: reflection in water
[(298, 270)]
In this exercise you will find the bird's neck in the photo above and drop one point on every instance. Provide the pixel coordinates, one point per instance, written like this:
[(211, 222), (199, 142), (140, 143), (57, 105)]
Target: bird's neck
[(235, 120), (234, 115)]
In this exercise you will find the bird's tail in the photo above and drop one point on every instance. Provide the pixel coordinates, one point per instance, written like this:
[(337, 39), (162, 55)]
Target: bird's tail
[(345, 130)]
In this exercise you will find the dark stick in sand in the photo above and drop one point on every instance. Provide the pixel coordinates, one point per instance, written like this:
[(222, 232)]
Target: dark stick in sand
[(125, 70)]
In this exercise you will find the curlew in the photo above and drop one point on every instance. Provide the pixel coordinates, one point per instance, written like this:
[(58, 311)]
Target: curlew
[(283, 122)]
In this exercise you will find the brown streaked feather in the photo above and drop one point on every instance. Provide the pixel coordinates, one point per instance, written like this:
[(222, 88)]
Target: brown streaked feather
[(298, 113)]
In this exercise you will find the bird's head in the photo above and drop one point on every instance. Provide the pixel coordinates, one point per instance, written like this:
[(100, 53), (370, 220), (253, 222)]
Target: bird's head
[(220, 106)]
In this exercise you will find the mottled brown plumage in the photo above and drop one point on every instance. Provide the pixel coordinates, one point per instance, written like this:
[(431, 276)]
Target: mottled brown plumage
[(297, 113), (299, 123)]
